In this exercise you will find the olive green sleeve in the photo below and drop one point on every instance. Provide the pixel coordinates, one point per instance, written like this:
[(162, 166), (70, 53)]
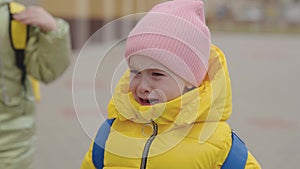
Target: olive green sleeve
[(48, 54)]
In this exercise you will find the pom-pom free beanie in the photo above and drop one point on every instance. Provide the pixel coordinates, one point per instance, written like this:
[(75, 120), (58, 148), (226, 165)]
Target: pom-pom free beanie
[(174, 34)]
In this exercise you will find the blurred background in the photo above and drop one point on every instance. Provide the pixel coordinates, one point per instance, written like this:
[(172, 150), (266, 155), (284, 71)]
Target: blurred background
[(87, 16), (261, 39)]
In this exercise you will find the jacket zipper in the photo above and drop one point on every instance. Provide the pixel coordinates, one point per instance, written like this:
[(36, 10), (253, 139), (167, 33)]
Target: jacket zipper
[(148, 144)]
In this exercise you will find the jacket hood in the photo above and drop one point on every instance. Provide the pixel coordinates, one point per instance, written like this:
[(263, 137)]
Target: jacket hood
[(210, 102)]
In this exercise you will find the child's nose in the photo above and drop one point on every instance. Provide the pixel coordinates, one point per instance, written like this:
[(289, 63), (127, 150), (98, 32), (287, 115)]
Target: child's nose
[(145, 85)]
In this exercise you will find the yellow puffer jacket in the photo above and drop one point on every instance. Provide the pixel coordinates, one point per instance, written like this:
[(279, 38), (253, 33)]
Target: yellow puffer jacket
[(192, 131)]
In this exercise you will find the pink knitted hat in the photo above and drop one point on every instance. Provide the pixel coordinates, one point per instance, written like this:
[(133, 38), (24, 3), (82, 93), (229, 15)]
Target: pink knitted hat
[(174, 34)]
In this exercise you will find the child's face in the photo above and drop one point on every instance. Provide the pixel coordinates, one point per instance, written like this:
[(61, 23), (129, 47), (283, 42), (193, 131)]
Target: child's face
[(151, 82)]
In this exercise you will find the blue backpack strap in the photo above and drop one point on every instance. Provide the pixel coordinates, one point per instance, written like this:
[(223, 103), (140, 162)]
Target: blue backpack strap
[(238, 154), (99, 143)]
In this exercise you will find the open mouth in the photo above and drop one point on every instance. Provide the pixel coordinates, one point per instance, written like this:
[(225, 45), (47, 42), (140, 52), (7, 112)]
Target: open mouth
[(148, 101)]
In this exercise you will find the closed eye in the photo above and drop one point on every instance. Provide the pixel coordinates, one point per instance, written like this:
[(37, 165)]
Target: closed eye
[(157, 74)]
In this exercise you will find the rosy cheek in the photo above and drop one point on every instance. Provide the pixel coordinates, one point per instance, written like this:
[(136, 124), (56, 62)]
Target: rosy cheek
[(131, 87), (133, 81)]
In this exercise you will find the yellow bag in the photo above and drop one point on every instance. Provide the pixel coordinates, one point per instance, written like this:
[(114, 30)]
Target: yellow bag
[(18, 37)]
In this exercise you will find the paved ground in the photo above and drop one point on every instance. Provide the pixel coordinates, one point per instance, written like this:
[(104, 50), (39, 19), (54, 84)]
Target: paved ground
[(264, 72)]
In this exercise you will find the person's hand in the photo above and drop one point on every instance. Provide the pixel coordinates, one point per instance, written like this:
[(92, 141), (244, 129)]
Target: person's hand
[(37, 16)]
